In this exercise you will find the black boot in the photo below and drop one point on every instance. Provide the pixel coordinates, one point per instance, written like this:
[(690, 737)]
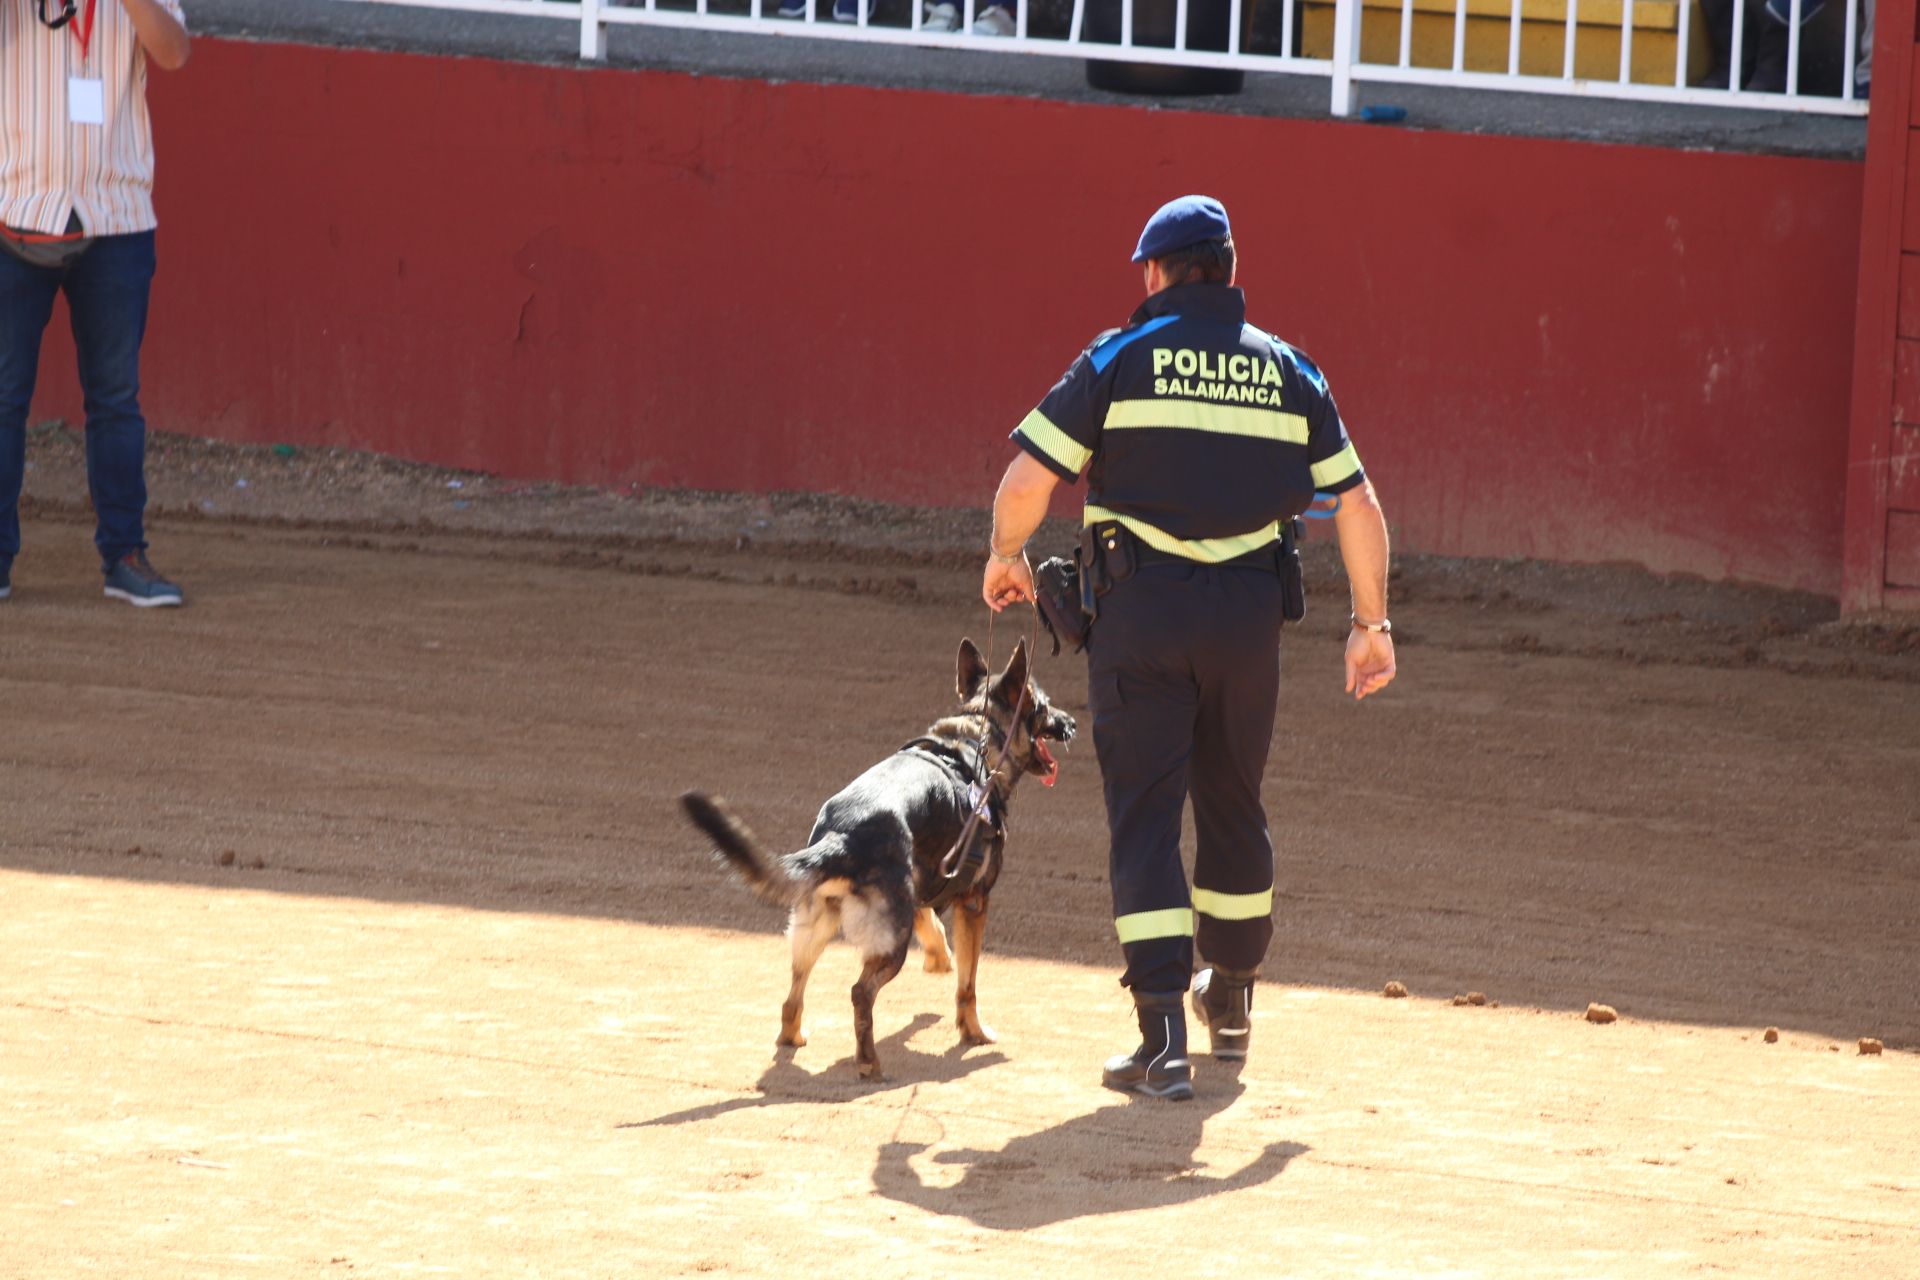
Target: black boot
[(1223, 1000), (1159, 1067)]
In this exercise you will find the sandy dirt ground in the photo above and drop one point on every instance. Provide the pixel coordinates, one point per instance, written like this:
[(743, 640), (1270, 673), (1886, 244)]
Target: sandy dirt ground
[(347, 925)]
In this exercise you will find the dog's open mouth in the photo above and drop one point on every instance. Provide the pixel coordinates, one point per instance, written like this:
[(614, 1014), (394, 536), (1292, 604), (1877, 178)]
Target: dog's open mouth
[(1051, 766)]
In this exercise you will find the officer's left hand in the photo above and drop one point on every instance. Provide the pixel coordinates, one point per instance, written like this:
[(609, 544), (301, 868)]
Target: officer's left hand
[(1369, 662), (1006, 584)]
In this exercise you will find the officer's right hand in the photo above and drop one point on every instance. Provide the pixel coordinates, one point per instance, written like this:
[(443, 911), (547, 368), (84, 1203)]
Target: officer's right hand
[(1005, 584), (1369, 662)]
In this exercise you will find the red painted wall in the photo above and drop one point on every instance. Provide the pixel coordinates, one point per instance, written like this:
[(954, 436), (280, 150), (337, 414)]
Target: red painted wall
[(1881, 546), (1543, 348)]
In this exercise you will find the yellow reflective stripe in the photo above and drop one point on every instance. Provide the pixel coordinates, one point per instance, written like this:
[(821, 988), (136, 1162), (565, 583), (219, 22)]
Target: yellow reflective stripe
[(1233, 906), (1052, 441), (1174, 922), (1203, 415), (1205, 550), (1335, 469)]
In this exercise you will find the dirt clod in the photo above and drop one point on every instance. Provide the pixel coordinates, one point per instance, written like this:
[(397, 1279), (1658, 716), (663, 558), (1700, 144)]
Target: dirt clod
[(1772, 1036), (1602, 1013), (226, 859), (1476, 998), (1868, 1045), (1396, 991)]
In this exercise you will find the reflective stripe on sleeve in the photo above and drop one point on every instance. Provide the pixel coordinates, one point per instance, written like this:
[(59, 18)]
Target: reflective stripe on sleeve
[(1335, 469), (1040, 432), (1234, 906), (1199, 415), (1141, 926), (1205, 550)]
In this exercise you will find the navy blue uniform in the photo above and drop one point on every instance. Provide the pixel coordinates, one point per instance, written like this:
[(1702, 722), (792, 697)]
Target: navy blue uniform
[(1199, 434)]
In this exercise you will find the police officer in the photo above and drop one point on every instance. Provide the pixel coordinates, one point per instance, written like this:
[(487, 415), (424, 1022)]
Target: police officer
[(1200, 435)]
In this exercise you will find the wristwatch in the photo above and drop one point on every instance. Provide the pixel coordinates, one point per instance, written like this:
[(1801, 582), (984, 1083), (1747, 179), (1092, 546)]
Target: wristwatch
[(1382, 627)]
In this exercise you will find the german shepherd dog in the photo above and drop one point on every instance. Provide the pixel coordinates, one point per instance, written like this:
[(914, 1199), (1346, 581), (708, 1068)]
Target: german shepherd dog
[(885, 853)]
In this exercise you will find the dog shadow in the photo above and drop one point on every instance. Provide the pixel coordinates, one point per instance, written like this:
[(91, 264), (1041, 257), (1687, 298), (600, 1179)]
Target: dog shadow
[(786, 1082), (1113, 1160)]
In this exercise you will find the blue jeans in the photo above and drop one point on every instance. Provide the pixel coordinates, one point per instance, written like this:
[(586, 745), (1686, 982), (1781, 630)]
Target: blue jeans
[(107, 290)]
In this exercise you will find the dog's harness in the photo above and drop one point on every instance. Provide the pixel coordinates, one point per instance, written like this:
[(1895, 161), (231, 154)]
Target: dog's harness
[(966, 861), (961, 869)]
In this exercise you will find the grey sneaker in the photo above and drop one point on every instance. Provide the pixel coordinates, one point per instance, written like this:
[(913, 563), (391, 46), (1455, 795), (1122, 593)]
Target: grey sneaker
[(134, 580), (6, 581)]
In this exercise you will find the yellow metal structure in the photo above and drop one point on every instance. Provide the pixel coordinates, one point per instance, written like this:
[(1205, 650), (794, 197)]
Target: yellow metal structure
[(1543, 36)]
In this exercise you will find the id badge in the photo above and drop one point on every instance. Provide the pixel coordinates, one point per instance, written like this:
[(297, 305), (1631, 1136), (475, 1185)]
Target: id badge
[(86, 101)]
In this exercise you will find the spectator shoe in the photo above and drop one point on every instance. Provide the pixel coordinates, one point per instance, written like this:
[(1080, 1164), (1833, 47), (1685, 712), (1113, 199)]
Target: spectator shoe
[(132, 579), (940, 17), (995, 20), (849, 10)]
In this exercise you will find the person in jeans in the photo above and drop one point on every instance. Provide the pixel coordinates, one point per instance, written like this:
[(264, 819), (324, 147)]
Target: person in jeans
[(76, 217)]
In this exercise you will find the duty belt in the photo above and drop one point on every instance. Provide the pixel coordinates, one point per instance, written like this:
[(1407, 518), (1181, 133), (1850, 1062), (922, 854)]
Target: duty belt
[(1267, 558)]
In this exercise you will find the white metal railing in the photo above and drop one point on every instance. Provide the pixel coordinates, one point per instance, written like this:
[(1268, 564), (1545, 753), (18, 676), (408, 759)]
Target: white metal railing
[(1648, 50)]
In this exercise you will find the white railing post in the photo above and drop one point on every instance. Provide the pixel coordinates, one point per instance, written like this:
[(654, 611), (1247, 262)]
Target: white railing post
[(1853, 36), (1626, 40), (593, 32), (1793, 50), (1681, 58), (1346, 41)]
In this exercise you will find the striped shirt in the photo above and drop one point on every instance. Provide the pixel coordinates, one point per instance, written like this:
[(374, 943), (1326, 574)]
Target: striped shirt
[(51, 167)]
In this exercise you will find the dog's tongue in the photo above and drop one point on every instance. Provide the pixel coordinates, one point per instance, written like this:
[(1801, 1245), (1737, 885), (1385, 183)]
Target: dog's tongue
[(1052, 774)]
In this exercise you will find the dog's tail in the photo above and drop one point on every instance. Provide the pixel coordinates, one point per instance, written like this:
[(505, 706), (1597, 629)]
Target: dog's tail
[(737, 845)]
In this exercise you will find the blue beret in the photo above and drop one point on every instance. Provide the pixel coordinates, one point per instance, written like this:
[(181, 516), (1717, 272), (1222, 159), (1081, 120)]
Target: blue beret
[(1179, 223)]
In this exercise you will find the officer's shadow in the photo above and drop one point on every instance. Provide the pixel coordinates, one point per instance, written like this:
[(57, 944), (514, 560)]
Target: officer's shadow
[(1138, 1153), (785, 1082)]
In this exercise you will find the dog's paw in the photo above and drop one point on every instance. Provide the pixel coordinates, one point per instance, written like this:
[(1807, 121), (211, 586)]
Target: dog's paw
[(977, 1032), (796, 1039), (938, 962), (870, 1071)]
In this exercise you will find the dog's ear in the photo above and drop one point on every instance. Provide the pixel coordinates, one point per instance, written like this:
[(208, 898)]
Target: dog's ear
[(972, 673), (1012, 681)]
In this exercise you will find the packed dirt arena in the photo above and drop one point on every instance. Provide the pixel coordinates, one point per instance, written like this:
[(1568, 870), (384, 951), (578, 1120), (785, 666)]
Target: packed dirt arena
[(350, 926)]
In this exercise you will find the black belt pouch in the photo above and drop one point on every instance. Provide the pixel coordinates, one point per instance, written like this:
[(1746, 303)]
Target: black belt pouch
[(1057, 592), (1112, 548), (1293, 591)]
